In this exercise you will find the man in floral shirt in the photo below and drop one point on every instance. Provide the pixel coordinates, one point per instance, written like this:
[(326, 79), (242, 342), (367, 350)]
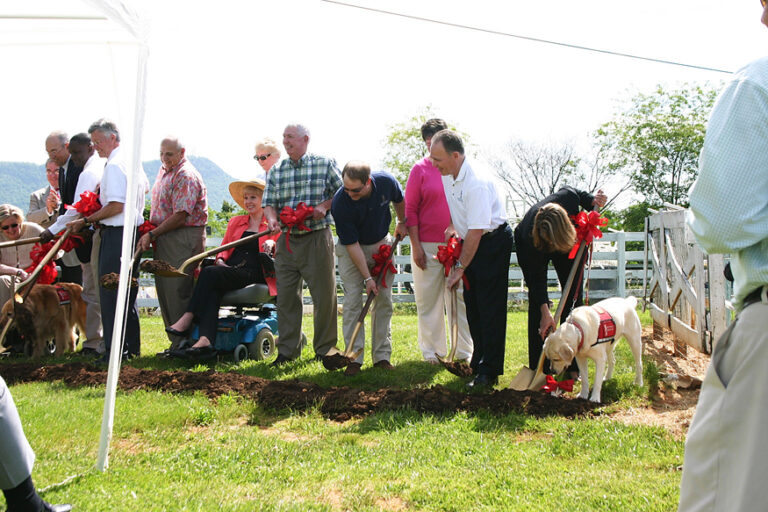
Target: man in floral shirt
[(179, 210)]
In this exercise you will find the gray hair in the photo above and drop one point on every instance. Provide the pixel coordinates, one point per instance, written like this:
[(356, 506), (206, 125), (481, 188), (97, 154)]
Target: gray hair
[(268, 144), (303, 130), (106, 127), (174, 140), (60, 136)]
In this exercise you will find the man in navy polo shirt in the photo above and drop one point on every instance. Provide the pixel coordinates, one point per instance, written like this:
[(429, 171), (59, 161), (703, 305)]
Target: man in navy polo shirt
[(361, 211)]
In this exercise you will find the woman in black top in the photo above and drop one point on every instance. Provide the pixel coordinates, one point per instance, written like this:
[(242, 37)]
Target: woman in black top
[(545, 234)]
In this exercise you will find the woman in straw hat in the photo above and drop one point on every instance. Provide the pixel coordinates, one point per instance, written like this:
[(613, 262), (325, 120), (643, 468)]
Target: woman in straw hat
[(234, 268), (13, 260)]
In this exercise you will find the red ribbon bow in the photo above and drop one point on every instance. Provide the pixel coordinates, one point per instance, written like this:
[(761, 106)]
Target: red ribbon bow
[(588, 226), (146, 228), (449, 254), (383, 262), (38, 252), (552, 385), (295, 218), (72, 242), (88, 204)]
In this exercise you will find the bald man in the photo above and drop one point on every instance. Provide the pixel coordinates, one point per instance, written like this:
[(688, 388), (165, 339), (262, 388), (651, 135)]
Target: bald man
[(179, 209)]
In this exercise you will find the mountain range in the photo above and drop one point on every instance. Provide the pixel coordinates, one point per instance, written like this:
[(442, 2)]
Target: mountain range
[(19, 179)]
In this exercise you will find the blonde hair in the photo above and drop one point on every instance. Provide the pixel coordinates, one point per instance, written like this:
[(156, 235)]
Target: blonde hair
[(267, 144), (8, 210), (553, 230)]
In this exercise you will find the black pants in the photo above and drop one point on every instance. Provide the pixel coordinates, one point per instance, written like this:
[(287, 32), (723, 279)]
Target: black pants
[(486, 301), (109, 261), (213, 283), (70, 274), (562, 267)]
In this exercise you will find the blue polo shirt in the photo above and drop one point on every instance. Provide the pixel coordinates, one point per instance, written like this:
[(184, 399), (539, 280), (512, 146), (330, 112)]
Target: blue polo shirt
[(366, 220)]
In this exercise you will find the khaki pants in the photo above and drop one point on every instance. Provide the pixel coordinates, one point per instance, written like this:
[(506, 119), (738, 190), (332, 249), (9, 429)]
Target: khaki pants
[(433, 300), (174, 293), (94, 334), (310, 259), (726, 454), (381, 309)]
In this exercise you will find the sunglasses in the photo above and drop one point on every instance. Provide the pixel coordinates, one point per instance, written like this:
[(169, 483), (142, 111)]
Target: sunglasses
[(6, 228), (354, 190), (262, 157)]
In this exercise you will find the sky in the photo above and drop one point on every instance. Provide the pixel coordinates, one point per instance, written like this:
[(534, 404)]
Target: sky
[(223, 74)]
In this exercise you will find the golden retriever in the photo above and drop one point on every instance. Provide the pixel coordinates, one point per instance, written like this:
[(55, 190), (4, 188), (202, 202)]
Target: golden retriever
[(47, 313)]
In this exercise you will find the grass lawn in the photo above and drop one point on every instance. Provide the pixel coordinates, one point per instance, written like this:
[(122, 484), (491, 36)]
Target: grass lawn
[(185, 452)]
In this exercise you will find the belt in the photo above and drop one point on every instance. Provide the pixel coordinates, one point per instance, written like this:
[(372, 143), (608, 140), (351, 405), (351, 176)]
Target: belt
[(754, 295), (495, 232)]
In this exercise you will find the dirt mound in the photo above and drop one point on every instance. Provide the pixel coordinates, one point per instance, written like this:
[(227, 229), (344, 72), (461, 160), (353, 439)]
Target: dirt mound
[(336, 403)]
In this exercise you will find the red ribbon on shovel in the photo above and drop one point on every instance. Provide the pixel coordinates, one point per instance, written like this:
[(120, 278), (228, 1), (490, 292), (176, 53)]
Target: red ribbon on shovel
[(449, 254), (588, 226), (145, 228), (295, 218), (38, 252), (383, 262), (552, 385), (88, 204)]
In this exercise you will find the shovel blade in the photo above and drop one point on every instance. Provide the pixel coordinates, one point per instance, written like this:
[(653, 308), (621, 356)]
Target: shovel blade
[(528, 380)]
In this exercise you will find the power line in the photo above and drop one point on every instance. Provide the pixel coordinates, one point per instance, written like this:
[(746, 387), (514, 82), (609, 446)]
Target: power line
[(528, 38)]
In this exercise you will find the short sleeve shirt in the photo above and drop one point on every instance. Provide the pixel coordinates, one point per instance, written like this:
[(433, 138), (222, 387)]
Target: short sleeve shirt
[(312, 180), (366, 220), (180, 188), (473, 200)]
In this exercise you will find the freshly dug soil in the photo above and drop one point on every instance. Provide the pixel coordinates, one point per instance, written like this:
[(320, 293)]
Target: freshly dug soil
[(154, 266), (457, 368), (336, 403), (112, 280), (335, 362)]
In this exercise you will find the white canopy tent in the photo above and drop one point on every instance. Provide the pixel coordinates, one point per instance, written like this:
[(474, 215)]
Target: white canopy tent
[(81, 60)]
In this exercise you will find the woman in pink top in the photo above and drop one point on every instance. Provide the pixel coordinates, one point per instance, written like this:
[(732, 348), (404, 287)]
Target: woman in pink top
[(427, 217)]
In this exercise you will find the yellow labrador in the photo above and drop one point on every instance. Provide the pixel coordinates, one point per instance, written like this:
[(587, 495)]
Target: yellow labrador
[(591, 332)]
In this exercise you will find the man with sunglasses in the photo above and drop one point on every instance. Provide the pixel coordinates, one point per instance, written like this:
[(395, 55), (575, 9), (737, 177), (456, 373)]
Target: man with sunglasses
[(303, 179), (179, 210), (726, 456), (361, 210)]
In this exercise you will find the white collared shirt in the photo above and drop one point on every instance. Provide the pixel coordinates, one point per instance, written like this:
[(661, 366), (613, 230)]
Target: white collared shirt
[(473, 200), (114, 187), (88, 181)]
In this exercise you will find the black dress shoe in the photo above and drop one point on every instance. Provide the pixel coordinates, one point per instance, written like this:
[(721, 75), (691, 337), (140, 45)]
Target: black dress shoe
[(171, 330), (205, 352), (47, 507), (280, 360), (483, 382)]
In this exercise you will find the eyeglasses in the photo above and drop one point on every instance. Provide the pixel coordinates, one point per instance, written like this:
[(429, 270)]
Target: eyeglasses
[(9, 226), (354, 190), (262, 157)]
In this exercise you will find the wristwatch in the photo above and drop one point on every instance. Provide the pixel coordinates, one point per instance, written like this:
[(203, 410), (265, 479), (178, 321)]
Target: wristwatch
[(458, 265), (365, 281), (152, 236)]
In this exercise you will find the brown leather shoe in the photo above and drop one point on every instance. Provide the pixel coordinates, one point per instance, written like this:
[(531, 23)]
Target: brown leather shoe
[(383, 364), (352, 369)]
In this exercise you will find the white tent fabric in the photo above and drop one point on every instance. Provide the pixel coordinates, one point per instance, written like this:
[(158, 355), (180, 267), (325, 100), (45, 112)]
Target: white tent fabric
[(62, 25)]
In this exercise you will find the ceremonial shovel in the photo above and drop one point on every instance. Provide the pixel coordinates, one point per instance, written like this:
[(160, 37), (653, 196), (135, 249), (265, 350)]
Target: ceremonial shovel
[(461, 369), (338, 360), (164, 269), (527, 379)]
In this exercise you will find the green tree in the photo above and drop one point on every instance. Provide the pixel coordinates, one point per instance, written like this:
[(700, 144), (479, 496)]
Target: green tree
[(403, 146), (656, 139), (217, 220)]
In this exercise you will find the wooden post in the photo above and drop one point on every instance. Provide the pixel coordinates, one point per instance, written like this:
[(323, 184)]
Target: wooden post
[(621, 264)]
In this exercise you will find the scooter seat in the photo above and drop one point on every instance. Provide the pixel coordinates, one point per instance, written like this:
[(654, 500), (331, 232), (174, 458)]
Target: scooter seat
[(252, 294)]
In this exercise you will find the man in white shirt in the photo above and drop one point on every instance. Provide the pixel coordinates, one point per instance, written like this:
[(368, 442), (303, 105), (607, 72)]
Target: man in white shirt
[(83, 155), (726, 456), (479, 218), (111, 218)]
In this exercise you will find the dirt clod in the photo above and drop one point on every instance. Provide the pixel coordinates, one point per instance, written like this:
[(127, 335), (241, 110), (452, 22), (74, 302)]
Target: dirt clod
[(335, 362), (112, 280), (459, 368), (154, 266)]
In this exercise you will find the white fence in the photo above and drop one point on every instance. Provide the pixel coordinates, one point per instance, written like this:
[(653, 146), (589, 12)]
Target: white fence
[(615, 271)]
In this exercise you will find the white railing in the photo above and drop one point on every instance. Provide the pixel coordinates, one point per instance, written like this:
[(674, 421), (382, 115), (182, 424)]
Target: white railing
[(615, 271)]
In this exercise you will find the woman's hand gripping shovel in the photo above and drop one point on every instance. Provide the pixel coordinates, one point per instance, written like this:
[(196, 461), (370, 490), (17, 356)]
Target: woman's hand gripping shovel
[(338, 360)]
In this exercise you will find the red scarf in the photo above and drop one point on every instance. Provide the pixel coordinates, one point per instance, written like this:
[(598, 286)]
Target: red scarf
[(295, 218), (383, 262), (449, 254)]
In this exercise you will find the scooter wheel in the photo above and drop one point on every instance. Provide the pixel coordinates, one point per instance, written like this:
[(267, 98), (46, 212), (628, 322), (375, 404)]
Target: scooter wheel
[(240, 353), (263, 347)]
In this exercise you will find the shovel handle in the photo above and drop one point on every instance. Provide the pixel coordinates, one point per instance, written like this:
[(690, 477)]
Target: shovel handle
[(217, 250), (48, 257), (23, 241)]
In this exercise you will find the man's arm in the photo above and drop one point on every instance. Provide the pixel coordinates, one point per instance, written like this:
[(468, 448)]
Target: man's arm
[(110, 209), (358, 258), (272, 222), (320, 210)]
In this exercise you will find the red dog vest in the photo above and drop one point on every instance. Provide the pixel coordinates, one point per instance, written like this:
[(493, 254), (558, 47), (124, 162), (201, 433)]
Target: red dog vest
[(606, 333), (63, 294)]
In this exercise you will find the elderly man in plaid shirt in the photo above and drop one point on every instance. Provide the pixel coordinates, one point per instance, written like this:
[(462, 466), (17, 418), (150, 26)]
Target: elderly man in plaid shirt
[(308, 255)]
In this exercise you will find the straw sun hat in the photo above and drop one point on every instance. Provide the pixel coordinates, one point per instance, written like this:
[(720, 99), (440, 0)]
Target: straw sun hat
[(236, 189)]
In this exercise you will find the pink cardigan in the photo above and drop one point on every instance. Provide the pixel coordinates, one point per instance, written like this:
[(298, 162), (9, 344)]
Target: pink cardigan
[(235, 228), (425, 203)]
